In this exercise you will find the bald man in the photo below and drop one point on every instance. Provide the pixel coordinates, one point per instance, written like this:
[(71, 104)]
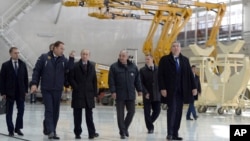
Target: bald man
[(123, 80), (84, 83)]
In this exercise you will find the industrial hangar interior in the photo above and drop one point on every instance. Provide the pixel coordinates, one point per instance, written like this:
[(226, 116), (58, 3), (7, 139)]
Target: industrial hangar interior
[(213, 34)]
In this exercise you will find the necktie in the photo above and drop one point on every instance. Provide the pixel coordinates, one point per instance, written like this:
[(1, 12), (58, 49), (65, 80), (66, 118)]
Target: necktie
[(151, 68), (85, 67), (15, 66), (176, 63)]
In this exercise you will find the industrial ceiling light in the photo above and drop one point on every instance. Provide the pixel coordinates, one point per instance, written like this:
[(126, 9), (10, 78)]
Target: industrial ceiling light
[(81, 3)]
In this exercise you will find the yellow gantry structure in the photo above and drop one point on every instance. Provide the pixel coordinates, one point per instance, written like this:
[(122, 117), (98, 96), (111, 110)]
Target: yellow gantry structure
[(173, 19)]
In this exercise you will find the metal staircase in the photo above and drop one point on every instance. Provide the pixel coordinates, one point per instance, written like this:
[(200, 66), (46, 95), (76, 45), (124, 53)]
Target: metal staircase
[(8, 19)]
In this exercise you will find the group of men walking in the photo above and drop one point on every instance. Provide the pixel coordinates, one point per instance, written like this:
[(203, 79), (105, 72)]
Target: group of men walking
[(172, 83)]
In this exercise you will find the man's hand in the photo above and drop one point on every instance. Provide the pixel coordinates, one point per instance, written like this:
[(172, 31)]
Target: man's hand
[(194, 92), (147, 96), (139, 93), (33, 89), (113, 95), (164, 93), (72, 53)]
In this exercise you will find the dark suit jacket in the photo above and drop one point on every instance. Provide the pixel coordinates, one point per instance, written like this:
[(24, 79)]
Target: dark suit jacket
[(84, 84), (8, 79), (149, 81), (198, 85), (167, 76)]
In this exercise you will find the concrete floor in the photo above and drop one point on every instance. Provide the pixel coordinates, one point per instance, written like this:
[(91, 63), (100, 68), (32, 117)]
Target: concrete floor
[(209, 127)]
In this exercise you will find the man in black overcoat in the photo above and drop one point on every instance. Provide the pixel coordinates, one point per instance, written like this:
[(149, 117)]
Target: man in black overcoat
[(84, 83), (177, 86)]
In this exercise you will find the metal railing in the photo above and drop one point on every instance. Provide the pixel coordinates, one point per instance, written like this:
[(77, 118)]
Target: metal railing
[(9, 18)]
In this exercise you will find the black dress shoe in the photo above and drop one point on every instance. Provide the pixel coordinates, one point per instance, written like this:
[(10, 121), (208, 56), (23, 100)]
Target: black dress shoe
[(56, 137), (177, 138), (94, 136), (127, 134), (19, 132), (195, 117), (123, 137), (11, 134), (78, 137), (150, 131), (169, 137)]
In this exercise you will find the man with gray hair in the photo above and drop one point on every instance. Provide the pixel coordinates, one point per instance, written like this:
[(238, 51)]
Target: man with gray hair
[(84, 83), (123, 80), (177, 86)]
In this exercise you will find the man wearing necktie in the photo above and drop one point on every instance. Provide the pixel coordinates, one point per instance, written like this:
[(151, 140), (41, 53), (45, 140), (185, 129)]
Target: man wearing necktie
[(14, 87), (84, 83), (177, 86), (151, 94)]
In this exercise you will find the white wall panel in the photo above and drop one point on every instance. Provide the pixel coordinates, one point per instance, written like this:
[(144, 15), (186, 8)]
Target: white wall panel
[(5, 4)]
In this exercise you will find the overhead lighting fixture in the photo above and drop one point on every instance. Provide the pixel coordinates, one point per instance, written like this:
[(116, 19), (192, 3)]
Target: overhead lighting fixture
[(81, 3)]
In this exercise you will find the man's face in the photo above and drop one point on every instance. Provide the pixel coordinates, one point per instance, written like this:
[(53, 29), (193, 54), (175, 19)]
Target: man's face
[(176, 49), (59, 50), (193, 69), (85, 55), (14, 54), (149, 60), (123, 57)]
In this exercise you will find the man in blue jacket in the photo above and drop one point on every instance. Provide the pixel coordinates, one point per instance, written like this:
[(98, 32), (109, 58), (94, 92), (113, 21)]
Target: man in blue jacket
[(124, 78), (51, 68)]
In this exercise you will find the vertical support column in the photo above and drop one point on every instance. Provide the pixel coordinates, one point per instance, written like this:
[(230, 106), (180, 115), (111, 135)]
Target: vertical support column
[(246, 23)]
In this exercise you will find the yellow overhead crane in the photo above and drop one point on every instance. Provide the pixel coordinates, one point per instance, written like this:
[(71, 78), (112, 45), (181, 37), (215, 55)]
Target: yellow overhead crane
[(173, 17), (104, 9)]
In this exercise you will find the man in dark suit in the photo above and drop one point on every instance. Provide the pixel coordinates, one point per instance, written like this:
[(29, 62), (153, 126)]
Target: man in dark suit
[(84, 83), (14, 87), (151, 94), (124, 78), (177, 86), (51, 68), (191, 108)]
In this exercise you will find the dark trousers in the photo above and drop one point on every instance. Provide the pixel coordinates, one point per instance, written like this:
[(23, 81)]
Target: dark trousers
[(51, 101), (123, 123), (9, 113), (150, 118), (77, 112), (191, 110), (174, 113)]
